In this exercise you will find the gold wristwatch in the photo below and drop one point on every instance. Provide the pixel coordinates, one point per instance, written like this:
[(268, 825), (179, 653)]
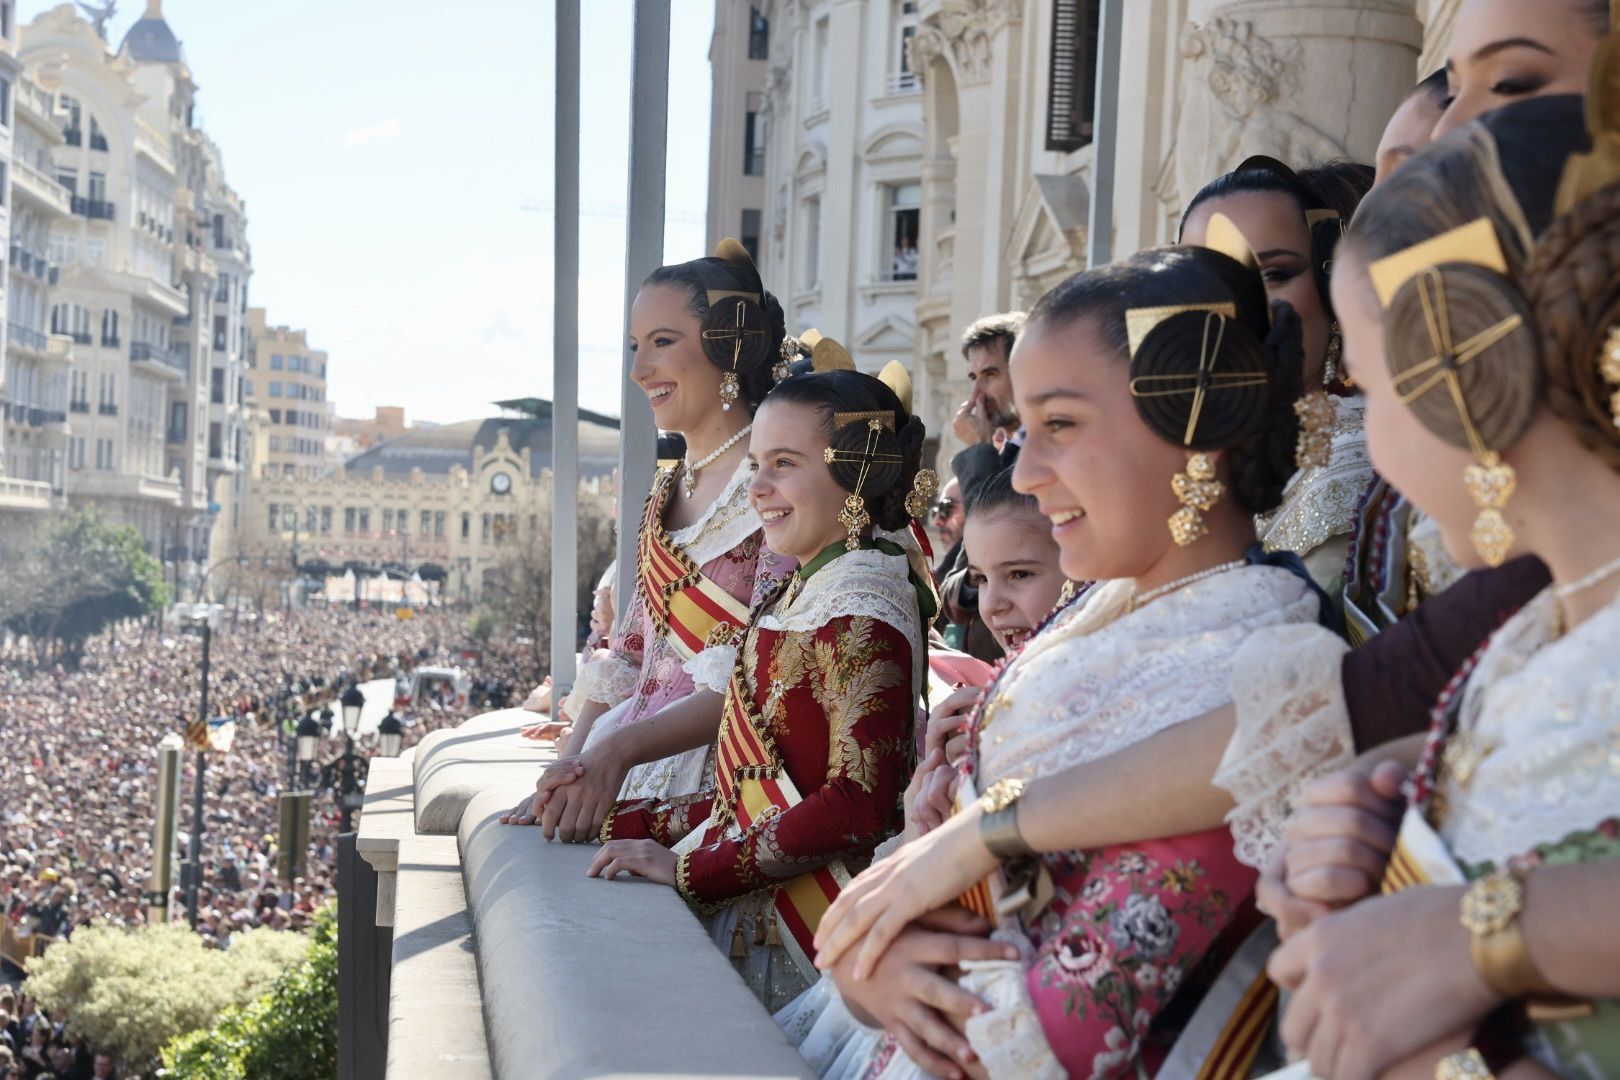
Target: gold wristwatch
[(998, 828), (1465, 1065)]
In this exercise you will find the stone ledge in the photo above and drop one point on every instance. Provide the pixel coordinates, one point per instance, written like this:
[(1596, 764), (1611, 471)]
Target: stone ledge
[(435, 1014), (589, 978), (485, 753), (386, 820)]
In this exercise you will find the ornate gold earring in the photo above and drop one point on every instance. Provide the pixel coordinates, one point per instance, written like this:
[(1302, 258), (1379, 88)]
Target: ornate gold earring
[(1198, 491), (788, 353), (1314, 448), (922, 493), (854, 518), (730, 390), (1332, 370), (1491, 483), (1610, 369)]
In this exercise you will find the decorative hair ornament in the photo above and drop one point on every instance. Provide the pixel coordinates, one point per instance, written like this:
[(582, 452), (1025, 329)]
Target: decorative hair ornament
[(1206, 379), (895, 376), (1609, 366), (1586, 174), (1198, 491), (736, 332), (923, 489), (827, 355), (1223, 235), (1421, 275), (1139, 322)]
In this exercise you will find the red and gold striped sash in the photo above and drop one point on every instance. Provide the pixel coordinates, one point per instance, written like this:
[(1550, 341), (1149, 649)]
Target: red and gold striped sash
[(685, 606)]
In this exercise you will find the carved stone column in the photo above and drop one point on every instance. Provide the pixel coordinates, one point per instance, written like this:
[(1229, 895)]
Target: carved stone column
[(1301, 80)]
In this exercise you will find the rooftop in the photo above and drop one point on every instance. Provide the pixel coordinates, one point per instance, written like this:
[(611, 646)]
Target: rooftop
[(439, 449), (151, 40)]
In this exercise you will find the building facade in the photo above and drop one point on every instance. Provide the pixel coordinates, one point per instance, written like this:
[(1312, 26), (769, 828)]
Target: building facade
[(738, 53), (34, 371), (452, 503), (286, 382), (839, 136), (133, 265)]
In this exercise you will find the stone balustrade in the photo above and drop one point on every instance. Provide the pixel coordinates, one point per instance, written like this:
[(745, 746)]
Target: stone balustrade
[(507, 961)]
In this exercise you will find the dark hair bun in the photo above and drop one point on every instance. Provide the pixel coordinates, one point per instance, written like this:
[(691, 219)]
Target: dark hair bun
[(851, 443), (737, 335), (1501, 383), (1166, 373)]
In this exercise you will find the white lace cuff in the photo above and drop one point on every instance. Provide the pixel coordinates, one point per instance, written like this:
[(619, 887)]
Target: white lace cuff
[(711, 669), (1291, 725), (607, 681), (1008, 1038)]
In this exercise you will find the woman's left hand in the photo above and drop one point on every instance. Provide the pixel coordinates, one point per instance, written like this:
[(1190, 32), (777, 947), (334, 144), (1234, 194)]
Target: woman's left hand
[(1377, 982), (922, 876), (641, 858)]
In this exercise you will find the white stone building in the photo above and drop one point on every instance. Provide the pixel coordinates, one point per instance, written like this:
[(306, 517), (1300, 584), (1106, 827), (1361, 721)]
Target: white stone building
[(839, 125), (152, 236)]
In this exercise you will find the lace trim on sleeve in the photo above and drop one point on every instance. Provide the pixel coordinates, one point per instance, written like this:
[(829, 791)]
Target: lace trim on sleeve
[(711, 669), (1008, 1038), (606, 681), (1291, 725)]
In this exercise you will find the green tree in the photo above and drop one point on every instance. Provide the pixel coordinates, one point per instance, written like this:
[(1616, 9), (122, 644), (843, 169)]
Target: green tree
[(77, 577), (288, 1033), (130, 991)]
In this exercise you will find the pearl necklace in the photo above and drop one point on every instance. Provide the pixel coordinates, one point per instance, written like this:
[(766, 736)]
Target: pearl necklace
[(1180, 583), (690, 468), (1607, 570)]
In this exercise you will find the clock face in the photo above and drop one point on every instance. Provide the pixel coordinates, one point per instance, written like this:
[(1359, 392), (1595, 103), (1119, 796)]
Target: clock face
[(500, 483)]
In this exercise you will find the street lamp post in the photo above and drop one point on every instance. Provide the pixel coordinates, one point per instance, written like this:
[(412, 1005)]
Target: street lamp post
[(353, 703), (205, 617)]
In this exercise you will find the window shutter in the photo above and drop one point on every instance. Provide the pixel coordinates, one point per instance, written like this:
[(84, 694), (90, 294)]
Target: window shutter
[(1072, 90)]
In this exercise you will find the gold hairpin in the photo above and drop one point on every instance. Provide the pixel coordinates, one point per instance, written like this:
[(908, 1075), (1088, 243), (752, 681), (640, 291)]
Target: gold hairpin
[(877, 419), (1475, 244), (1139, 322), (1204, 380), (830, 455), (736, 334), (1585, 174)]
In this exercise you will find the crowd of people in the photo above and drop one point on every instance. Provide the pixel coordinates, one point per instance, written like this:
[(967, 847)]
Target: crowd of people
[(1270, 648), (76, 821)]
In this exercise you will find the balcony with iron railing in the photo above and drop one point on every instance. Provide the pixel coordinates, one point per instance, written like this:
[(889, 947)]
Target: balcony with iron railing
[(900, 83), (26, 337), (94, 209), (165, 361)]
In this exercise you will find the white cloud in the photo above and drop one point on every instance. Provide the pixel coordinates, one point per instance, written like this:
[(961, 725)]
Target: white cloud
[(383, 131)]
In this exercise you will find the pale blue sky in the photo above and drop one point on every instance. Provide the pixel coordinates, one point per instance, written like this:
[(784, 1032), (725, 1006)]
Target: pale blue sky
[(387, 153)]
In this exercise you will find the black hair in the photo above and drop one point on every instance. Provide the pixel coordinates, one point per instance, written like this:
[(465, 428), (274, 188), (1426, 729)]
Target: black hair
[(1338, 185), (671, 445), (995, 493), (715, 274), (1598, 13), (1256, 426), (1437, 85), (887, 483)]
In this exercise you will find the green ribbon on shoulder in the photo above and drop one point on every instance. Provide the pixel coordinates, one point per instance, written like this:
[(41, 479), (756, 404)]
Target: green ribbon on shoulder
[(926, 606)]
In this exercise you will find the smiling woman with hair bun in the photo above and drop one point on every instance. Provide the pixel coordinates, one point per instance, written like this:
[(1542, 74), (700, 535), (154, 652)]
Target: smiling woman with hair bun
[(706, 337)]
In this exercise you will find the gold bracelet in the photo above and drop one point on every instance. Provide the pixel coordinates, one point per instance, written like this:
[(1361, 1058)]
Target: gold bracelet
[(1490, 912)]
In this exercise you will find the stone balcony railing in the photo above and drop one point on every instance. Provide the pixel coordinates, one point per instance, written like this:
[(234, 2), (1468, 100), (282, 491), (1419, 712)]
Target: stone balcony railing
[(506, 961)]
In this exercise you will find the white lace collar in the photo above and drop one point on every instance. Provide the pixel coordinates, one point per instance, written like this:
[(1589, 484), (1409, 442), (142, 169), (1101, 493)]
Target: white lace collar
[(1545, 708), (1320, 503), (1099, 680), (864, 583), (724, 525)]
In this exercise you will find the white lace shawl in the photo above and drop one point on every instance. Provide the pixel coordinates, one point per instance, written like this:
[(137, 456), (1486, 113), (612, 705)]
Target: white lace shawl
[(1320, 503), (1093, 684), (1292, 724), (1546, 708)]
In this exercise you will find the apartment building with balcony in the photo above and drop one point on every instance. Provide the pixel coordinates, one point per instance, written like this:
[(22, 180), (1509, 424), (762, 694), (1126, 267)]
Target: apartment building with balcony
[(286, 383), (140, 232), (839, 124), (738, 52)]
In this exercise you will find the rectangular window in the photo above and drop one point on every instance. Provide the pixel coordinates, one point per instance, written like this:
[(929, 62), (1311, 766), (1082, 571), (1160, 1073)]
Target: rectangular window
[(348, 519), (275, 389), (904, 209), (98, 187), (365, 520), (219, 333), (275, 517), (812, 242), (275, 444), (177, 421), (902, 80), (759, 35), (388, 520), (216, 386), (216, 442), (438, 523), (326, 519), (275, 416), (466, 526), (275, 361), (750, 232), (68, 178), (425, 526), (76, 453), (486, 527), (1071, 91), (753, 144), (818, 66), (5, 96)]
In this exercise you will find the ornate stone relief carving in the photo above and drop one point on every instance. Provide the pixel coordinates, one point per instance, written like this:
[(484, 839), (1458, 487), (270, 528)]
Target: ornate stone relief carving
[(966, 28), (1237, 100)]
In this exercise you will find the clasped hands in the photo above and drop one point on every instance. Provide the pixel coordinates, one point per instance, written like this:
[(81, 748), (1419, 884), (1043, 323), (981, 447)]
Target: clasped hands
[(574, 794)]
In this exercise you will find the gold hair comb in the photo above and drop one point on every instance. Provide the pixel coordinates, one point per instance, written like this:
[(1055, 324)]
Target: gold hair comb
[(1223, 235), (1139, 322), (1475, 244), (1201, 382), (877, 418), (1586, 174)]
